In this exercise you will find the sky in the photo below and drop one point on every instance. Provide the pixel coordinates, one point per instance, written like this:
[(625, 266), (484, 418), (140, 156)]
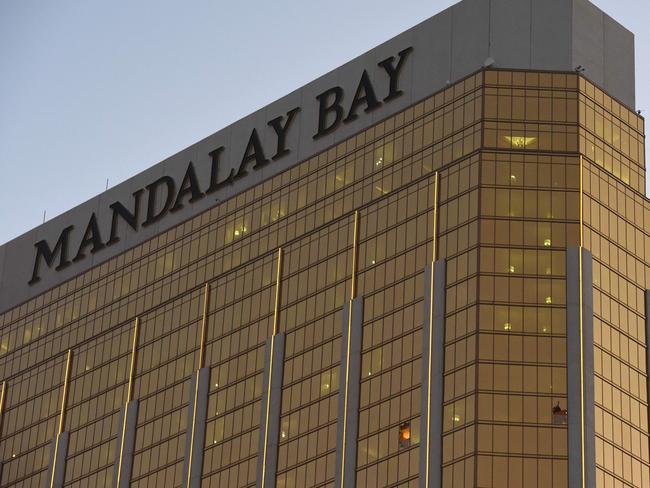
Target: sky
[(99, 90)]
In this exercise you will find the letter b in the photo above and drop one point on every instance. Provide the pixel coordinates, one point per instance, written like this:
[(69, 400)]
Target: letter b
[(325, 108)]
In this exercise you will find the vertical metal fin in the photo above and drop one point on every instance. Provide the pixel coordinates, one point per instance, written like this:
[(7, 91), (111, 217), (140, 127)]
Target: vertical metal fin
[(195, 438), (124, 445), (59, 449), (580, 368), (267, 455), (433, 346), (349, 391)]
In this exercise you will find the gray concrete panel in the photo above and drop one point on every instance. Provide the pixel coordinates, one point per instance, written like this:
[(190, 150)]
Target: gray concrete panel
[(510, 32), (577, 385), (550, 25), (469, 37), (348, 411), (58, 447), (124, 448), (588, 40), (605, 49), (274, 404), (588, 367), (619, 61), (2, 263), (433, 349), (425, 414), (573, 366), (266, 378), (195, 433), (446, 47), (436, 59)]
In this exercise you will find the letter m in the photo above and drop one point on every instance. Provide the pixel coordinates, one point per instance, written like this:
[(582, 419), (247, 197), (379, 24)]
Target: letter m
[(43, 251)]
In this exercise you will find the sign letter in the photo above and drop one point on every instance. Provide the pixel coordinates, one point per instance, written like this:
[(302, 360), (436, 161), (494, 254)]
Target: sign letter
[(189, 185), (324, 110), (91, 236), (43, 251), (215, 184), (281, 132), (253, 152), (394, 72), (152, 188), (365, 94), (130, 218)]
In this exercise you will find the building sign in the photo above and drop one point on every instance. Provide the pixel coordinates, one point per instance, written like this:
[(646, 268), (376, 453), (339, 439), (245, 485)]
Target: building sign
[(157, 199)]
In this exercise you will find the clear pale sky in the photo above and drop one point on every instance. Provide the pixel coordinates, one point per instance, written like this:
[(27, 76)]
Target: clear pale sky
[(92, 90)]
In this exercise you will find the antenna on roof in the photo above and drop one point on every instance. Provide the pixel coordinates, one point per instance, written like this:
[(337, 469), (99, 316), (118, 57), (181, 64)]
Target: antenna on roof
[(107, 183), (44, 212)]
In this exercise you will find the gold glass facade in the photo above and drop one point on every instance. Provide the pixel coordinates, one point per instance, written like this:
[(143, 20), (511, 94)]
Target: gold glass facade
[(616, 216), (514, 193), (529, 215)]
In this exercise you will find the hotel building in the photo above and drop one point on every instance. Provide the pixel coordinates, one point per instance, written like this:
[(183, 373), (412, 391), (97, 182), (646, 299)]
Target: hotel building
[(424, 269)]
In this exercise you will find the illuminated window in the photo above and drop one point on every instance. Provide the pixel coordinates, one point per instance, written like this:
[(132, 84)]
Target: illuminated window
[(328, 380), (373, 362), (520, 142), (383, 155), (169, 263), (381, 190), (405, 435), (237, 230), (277, 211)]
